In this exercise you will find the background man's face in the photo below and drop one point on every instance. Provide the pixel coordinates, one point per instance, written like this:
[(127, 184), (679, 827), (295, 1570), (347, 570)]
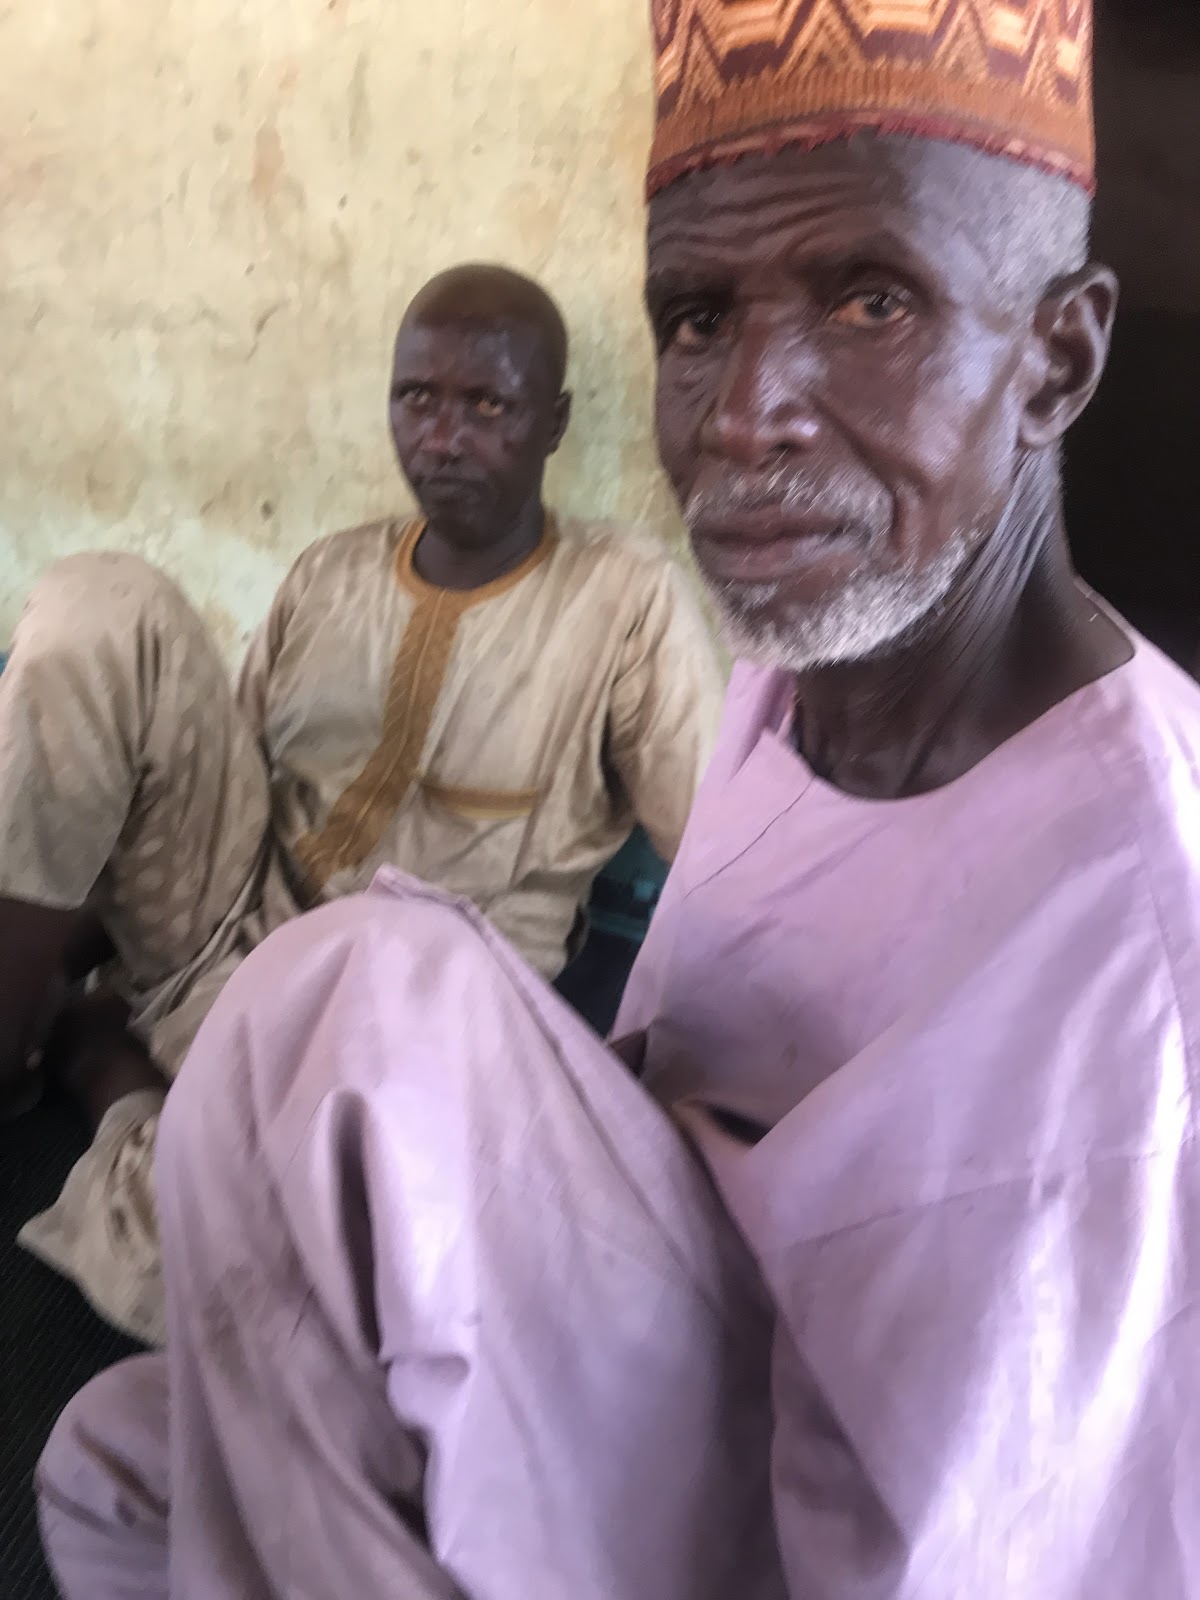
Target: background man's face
[(838, 404), (473, 421)]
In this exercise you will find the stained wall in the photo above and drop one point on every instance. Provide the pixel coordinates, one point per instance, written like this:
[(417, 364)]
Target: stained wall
[(210, 218)]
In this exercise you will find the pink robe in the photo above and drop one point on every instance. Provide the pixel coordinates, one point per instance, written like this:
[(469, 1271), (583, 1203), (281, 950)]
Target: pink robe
[(971, 1022), (451, 1304)]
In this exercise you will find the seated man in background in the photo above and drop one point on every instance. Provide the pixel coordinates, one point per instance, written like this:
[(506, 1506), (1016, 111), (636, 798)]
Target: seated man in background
[(887, 1289), (481, 696)]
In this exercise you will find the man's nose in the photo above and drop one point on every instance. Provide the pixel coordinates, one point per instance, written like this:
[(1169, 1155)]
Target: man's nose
[(442, 435), (765, 406)]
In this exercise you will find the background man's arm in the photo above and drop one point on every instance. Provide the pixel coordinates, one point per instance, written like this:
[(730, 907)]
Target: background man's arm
[(254, 680), (665, 710)]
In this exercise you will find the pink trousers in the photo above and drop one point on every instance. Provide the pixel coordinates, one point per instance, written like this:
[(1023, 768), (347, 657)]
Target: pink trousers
[(452, 1309)]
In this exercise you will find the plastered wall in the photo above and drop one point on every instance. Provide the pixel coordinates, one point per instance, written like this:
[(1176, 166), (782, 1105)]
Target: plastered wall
[(210, 218)]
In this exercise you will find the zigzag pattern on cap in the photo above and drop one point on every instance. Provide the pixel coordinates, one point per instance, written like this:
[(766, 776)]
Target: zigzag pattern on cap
[(738, 77)]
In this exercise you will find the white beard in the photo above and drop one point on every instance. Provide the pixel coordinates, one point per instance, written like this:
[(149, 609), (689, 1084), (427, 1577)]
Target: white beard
[(868, 612)]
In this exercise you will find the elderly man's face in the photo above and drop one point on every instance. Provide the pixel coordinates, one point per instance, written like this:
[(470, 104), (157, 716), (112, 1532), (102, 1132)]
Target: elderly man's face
[(841, 385)]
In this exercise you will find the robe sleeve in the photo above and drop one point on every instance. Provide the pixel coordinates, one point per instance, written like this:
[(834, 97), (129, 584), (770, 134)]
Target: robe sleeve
[(953, 1406), (972, 1246), (254, 681), (665, 709)]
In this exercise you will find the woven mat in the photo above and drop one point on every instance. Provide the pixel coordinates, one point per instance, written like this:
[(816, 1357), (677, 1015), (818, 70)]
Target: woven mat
[(51, 1343)]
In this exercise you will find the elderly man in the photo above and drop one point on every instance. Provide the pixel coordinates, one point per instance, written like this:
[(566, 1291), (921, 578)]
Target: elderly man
[(463, 1314), (483, 696)]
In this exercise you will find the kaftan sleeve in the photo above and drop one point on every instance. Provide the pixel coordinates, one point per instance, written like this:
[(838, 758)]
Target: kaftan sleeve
[(254, 680), (665, 709)]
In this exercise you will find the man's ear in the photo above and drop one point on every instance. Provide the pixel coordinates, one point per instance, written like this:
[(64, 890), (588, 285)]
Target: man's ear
[(1072, 330), (562, 417)]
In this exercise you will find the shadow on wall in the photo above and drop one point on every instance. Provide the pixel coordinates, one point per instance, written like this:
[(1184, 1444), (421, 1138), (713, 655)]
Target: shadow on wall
[(1130, 486), (1131, 493)]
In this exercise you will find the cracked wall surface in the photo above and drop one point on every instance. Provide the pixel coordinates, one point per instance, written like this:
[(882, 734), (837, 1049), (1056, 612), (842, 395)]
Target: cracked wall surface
[(210, 218)]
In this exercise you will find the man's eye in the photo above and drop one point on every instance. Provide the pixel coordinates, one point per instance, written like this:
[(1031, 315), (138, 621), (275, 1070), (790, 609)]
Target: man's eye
[(411, 395), (872, 309), (695, 327), (489, 407)]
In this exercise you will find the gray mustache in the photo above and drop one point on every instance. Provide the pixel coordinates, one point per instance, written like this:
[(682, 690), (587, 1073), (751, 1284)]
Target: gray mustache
[(789, 495)]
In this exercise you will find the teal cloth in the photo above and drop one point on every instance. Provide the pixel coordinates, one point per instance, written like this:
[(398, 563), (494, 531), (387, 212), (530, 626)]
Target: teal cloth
[(625, 894)]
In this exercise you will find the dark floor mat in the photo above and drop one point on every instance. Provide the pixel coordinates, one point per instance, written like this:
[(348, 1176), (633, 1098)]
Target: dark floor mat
[(51, 1343)]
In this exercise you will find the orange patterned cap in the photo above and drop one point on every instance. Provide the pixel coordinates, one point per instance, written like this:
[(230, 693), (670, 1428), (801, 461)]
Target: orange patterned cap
[(747, 77)]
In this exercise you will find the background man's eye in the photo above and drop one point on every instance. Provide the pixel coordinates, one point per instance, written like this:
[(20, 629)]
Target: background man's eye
[(873, 308), (488, 406)]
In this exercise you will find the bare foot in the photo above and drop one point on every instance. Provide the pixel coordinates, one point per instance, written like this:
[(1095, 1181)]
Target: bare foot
[(32, 942), (96, 1059), (89, 948)]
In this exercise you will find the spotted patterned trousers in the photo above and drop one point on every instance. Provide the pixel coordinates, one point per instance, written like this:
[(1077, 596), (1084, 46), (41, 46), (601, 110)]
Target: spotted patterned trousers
[(128, 779)]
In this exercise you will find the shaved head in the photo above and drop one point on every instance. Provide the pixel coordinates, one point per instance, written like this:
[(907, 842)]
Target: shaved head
[(477, 407), (1035, 228), (495, 298)]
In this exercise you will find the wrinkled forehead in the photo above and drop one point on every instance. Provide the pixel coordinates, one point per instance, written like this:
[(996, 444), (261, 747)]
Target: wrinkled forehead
[(502, 353), (919, 198)]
